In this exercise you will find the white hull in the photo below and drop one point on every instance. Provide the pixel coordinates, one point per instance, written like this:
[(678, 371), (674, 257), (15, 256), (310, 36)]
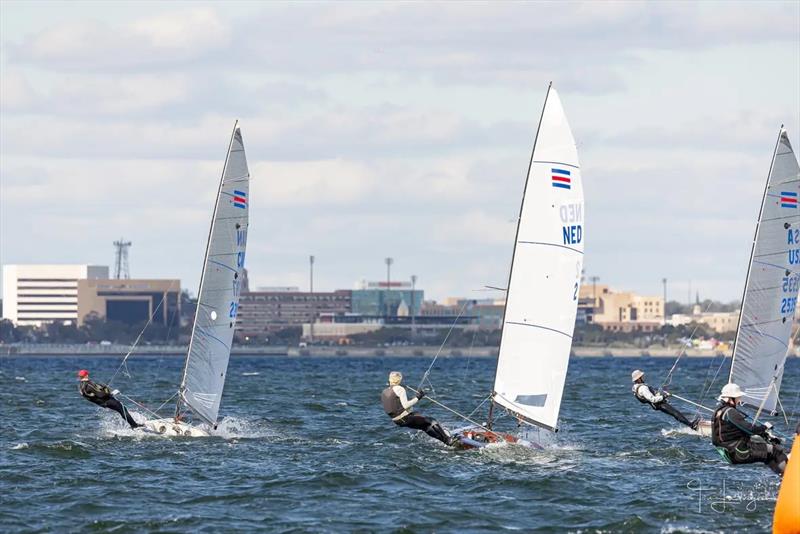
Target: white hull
[(704, 428), (168, 427)]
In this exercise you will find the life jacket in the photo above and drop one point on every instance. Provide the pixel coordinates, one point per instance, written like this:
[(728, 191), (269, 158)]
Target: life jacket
[(94, 392), (391, 402), (635, 391), (724, 433)]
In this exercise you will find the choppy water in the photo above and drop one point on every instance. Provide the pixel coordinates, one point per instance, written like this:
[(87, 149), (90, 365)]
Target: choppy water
[(304, 446)]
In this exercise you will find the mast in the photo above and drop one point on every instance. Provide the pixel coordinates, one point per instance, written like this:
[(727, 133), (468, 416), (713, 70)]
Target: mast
[(513, 253), (180, 400), (752, 253)]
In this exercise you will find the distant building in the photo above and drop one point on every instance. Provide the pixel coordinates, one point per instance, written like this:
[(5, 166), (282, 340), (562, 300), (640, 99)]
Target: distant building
[(130, 301), (484, 313), (261, 312), (37, 294), (383, 299), (620, 311), (719, 322), (338, 327)]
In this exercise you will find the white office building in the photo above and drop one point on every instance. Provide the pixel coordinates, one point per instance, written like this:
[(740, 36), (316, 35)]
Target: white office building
[(36, 294)]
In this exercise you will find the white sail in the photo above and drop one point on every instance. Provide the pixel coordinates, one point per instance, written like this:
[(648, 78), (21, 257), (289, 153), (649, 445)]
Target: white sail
[(542, 296), (218, 301), (770, 295)]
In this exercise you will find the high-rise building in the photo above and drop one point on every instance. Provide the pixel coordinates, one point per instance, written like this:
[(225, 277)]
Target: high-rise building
[(36, 294)]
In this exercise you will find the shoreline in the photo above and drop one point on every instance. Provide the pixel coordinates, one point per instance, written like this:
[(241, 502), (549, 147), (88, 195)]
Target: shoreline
[(427, 351)]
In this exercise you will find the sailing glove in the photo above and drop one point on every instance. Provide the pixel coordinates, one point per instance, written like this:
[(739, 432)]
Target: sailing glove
[(115, 392), (420, 394)]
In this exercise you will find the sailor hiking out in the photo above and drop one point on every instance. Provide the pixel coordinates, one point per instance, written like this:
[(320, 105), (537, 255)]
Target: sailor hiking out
[(397, 406), (742, 442), (102, 395), (658, 400)]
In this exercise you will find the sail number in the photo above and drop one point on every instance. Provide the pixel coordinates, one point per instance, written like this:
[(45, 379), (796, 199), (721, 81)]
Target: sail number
[(788, 305), (572, 223)]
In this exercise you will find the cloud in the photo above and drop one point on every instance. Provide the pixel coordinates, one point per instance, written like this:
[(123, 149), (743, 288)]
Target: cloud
[(464, 42), (180, 36)]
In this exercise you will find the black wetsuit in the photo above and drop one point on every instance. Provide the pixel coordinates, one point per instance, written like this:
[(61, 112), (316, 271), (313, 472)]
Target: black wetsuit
[(745, 442), (394, 408), (662, 406), (101, 395)]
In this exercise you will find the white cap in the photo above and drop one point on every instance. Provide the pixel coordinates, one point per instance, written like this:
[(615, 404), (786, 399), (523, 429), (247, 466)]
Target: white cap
[(395, 377), (636, 375), (731, 391)]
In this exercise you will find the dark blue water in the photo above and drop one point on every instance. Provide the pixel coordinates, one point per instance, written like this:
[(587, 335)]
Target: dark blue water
[(305, 447)]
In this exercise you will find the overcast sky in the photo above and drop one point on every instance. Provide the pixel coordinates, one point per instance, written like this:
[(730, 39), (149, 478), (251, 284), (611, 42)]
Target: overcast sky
[(389, 129)]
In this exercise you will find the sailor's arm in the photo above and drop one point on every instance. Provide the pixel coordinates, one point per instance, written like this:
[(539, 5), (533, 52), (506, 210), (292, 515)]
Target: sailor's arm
[(400, 391), (738, 419)]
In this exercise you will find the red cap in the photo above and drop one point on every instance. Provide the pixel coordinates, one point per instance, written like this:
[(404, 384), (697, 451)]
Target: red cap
[(83, 373)]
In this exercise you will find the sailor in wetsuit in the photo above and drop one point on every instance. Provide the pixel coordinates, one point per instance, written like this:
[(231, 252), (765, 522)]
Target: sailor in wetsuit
[(743, 442), (658, 400), (101, 395), (398, 407)]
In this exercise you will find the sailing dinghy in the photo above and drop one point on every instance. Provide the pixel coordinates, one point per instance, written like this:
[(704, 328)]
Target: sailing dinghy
[(542, 292), (206, 363), (771, 288)]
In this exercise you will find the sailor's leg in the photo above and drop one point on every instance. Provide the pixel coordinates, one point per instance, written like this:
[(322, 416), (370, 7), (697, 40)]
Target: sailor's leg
[(776, 458), (114, 404), (427, 425), (674, 412)]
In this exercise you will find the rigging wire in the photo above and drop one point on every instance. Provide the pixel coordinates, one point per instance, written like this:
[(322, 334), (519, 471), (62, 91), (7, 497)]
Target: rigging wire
[(139, 337), (459, 414), (668, 379), (428, 371)]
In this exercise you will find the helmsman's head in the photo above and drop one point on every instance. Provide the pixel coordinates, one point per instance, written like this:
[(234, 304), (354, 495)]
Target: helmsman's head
[(637, 376), (395, 377), (83, 375), (731, 393)]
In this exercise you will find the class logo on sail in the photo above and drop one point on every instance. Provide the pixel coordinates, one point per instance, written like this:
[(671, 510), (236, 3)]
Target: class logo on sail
[(789, 199), (561, 178), (240, 199)]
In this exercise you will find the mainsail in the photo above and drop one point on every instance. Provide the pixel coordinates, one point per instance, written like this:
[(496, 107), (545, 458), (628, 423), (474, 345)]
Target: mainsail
[(218, 301), (773, 278), (545, 277)]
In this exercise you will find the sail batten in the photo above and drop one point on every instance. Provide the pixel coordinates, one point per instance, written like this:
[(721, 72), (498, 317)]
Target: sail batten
[(220, 285), (771, 287), (544, 279)]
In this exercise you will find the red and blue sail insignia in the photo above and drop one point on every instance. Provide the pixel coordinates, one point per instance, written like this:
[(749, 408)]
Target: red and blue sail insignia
[(240, 199), (561, 178), (789, 199)]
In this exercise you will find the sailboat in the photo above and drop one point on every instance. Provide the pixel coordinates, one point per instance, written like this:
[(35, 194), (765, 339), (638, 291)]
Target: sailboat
[(771, 287), (206, 363), (543, 285)]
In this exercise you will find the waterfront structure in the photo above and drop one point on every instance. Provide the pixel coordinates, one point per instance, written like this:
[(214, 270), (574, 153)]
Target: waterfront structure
[(130, 301), (37, 294), (620, 311), (272, 309)]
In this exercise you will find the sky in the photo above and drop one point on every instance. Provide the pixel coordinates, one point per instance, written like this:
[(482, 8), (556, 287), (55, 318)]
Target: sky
[(391, 129)]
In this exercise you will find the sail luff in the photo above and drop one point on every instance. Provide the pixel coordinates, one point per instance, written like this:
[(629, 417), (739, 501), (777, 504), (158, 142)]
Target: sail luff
[(771, 287), (514, 251), (197, 410), (752, 253)]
